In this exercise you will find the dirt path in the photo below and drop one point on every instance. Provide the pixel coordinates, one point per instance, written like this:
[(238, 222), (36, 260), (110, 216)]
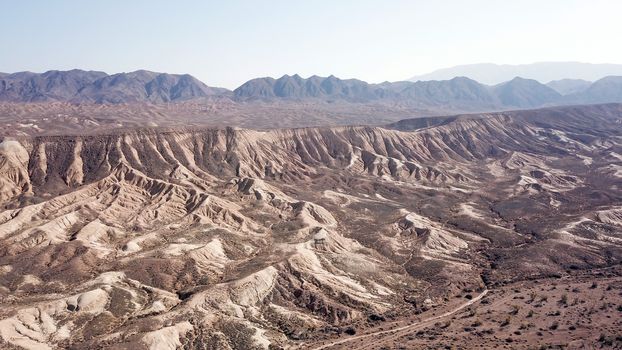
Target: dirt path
[(423, 322)]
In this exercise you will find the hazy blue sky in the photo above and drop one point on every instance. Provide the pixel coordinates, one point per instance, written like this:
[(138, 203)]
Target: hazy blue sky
[(226, 42)]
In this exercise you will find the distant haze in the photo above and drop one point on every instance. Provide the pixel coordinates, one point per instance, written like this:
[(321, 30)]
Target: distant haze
[(544, 72), (226, 43)]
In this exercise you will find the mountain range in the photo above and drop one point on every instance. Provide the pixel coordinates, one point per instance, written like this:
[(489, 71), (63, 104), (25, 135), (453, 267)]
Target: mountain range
[(99, 87), (492, 74), (458, 93)]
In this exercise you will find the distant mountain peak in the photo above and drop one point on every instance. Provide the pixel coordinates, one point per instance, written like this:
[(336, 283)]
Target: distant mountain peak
[(605, 90), (459, 93), (569, 86), (525, 93), (492, 74)]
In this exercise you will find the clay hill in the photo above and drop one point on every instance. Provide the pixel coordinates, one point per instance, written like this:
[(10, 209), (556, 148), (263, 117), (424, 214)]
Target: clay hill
[(496, 229)]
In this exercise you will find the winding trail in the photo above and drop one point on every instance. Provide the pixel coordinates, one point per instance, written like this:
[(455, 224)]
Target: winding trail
[(423, 322)]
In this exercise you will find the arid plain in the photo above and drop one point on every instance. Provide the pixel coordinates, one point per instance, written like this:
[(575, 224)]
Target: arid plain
[(492, 230)]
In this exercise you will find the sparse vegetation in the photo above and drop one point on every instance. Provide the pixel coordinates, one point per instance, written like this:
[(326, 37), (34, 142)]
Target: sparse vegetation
[(472, 312), (610, 341), (564, 299), (443, 325), (532, 296), (350, 331)]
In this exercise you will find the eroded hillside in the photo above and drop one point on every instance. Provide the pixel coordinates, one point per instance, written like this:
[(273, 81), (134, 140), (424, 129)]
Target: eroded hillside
[(235, 238)]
